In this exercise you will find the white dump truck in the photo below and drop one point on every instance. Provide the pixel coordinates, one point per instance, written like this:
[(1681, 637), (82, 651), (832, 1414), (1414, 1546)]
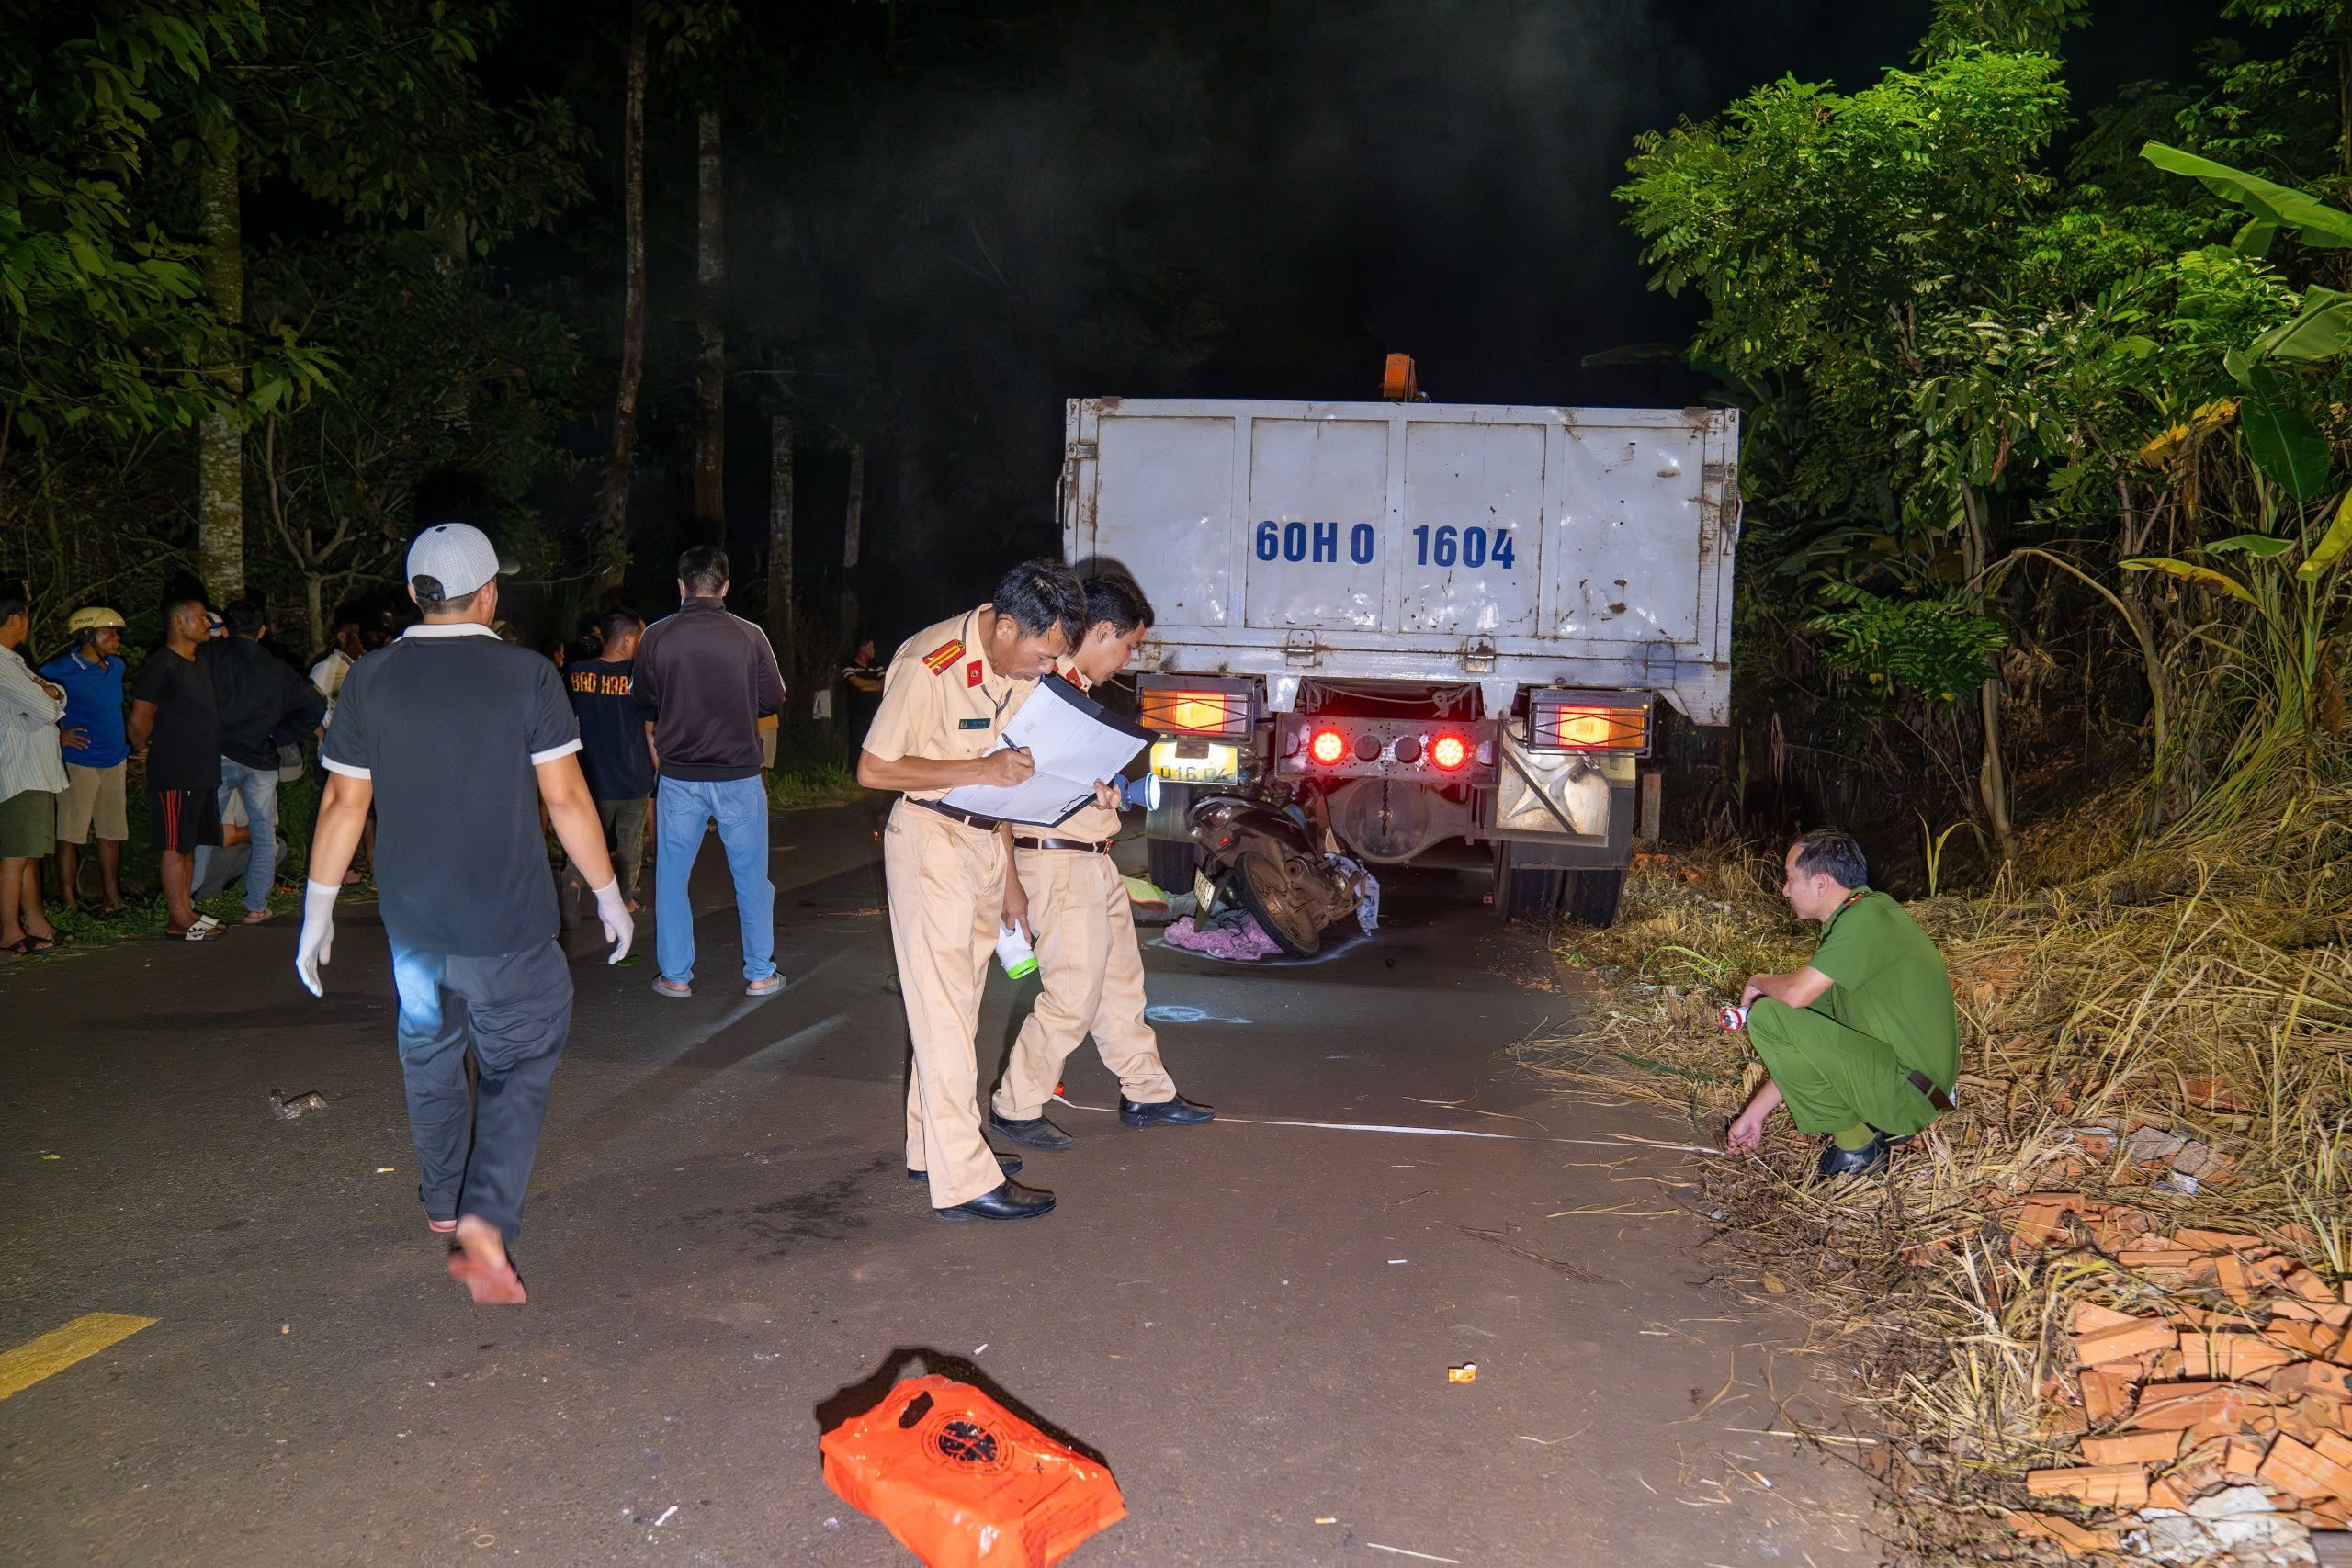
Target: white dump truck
[(1437, 622)]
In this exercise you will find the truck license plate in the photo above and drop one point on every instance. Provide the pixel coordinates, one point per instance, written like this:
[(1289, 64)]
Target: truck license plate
[(1197, 762)]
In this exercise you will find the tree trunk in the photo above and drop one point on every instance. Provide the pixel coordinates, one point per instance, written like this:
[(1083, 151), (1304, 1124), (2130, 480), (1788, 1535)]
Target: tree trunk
[(451, 230), (779, 618), (853, 528), (220, 464), (854, 519), (612, 504), (1992, 771), (710, 364), (321, 635)]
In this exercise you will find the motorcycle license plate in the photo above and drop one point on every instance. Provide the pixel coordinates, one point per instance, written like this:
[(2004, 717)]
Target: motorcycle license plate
[(1197, 762)]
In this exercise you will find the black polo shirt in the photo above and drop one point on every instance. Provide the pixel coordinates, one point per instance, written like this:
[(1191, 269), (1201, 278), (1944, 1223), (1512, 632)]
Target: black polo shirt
[(448, 723)]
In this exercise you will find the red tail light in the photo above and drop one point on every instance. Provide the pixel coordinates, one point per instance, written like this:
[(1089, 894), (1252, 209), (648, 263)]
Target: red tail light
[(1448, 752), (1327, 747)]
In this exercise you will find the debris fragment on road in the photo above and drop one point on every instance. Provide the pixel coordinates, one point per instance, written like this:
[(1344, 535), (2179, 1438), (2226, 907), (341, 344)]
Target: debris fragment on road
[(289, 1108)]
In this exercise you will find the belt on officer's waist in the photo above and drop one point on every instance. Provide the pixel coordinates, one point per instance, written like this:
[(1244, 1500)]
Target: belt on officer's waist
[(1089, 845), (969, 818), (1927, 1085)]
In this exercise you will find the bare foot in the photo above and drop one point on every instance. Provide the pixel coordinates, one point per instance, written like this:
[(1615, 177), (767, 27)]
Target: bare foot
[(480, 1263), (254, 917), (350, 878)]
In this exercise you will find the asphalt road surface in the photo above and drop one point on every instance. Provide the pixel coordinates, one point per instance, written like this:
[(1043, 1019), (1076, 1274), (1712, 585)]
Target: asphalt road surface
[(1251, 1323)]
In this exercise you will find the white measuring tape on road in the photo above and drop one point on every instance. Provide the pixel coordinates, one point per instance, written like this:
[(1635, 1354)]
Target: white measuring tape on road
[(1622, 1143)]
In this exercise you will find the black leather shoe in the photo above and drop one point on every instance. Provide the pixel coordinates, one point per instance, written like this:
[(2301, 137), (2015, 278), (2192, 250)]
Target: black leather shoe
[(1009, 1201), (1870, 1158), (1036, 1133), (1176, 1112), (1009, 1164)]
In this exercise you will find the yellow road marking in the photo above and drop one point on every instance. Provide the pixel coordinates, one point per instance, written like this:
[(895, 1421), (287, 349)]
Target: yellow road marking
[(61, 1347)]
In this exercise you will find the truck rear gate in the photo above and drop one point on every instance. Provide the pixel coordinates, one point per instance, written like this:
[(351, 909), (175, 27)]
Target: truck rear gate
[(1422, 551)]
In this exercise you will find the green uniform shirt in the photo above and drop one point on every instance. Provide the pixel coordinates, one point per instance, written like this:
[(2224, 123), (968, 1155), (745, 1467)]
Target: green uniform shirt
[(1889, 982)]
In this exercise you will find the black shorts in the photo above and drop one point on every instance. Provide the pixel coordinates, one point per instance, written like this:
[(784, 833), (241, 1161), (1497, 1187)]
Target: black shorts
[(184, 818)]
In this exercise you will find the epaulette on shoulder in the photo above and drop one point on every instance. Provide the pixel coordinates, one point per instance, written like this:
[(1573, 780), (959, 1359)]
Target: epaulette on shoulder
[(941, 659)]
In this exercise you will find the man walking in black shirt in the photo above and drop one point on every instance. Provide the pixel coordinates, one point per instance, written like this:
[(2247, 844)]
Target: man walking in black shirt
[(175, 732), (456, 737), (262, 701), (615, 752)]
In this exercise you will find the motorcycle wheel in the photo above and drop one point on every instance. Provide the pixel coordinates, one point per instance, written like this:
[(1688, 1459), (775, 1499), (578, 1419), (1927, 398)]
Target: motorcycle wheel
[(1265, 887)]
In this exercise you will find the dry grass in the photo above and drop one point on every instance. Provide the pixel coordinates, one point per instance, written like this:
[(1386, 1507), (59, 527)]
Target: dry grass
[(2118, 999)]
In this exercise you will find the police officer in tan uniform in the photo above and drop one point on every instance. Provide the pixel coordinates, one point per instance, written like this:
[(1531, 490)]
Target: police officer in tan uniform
[(949, 692), (1073, 903)]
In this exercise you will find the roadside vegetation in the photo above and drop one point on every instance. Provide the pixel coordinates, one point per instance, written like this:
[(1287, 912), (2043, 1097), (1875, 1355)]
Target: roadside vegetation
[(2047, 473)]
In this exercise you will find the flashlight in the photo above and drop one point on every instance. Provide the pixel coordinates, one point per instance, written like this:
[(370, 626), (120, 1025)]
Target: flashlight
[(1143, 791)]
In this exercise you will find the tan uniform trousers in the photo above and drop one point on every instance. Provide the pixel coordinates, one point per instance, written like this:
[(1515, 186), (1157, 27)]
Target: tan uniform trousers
[(946, 890), (1093, 983)]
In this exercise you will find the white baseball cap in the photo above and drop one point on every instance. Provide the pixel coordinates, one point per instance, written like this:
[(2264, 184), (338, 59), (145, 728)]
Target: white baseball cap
[(450, 560)]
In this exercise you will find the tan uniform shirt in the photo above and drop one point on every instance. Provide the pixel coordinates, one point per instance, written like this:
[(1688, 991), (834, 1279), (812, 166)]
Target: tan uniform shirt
[(942, 700), (1092, 822)]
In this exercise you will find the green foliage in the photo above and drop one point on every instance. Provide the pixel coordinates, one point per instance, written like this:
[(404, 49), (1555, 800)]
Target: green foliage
[(2024, 26), (444, 372), (102, 308), (365, 358), (1980, 387), (1932, 646)]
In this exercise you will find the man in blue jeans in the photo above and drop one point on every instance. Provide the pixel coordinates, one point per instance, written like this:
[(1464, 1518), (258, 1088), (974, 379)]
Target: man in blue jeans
[(458, 740), (264, 702), (705, 679)]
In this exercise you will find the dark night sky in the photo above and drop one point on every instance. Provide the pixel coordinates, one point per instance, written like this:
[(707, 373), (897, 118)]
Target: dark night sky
[(961, 220)]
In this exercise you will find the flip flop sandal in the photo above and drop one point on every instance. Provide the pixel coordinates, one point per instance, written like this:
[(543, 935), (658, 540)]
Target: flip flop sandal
[(196, 932), (441, 1228), (27, 945)]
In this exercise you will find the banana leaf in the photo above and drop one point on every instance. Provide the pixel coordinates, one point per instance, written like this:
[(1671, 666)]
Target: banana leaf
[(2263, 545), (2280, 436), (2332, 544), (2194, 572), (2321, 330), (2320, 225)]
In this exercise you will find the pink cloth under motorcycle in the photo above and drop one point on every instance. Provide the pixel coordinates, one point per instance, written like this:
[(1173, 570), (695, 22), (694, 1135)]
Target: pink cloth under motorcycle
[(1244, 940)]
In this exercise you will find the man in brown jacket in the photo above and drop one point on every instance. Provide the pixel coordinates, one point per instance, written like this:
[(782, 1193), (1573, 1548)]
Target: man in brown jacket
[(705, 677)]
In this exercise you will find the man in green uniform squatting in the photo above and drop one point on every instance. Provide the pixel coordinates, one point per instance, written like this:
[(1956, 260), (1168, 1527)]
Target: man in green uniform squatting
[(1862, 1043)]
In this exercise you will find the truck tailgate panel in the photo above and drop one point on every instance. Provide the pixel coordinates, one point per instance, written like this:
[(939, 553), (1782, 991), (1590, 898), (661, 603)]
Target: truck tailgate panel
[(1419, 541)]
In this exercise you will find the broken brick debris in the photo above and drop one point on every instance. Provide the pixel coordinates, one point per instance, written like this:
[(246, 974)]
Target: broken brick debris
[(2217, 1367)]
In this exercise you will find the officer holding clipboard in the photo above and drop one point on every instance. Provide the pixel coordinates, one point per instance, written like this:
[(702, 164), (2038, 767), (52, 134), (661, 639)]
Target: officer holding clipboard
[(946, 697)]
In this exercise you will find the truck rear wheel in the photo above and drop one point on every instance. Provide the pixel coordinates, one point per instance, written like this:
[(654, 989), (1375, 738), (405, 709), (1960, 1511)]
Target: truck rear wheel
[(1593, 895), (1170, 857), (1172, 862), (1526, 893)]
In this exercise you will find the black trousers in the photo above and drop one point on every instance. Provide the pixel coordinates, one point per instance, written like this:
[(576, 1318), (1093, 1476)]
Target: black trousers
[(514, 1011)]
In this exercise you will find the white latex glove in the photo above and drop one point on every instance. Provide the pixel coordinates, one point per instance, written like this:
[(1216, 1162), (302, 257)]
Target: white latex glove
[(318, 932), (619, 929)]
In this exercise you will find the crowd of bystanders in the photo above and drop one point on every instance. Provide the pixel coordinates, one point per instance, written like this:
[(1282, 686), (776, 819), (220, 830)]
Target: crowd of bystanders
[(676, 725)]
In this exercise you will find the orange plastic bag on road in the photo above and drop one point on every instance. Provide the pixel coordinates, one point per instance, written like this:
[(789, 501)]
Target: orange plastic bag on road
[(963, 1482)]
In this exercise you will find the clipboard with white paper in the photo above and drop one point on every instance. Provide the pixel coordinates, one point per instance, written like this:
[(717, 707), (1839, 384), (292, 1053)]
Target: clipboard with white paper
[(1073, 741)]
